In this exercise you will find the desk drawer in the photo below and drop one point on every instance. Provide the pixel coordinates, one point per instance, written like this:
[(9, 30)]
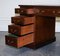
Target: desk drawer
[(25, 11), (19, 41), (49, 12), (22, 20), (20, 30), (43, 11)]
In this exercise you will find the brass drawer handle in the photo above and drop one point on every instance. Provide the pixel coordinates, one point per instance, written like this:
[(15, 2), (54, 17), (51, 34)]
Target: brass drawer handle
[(18, 21)]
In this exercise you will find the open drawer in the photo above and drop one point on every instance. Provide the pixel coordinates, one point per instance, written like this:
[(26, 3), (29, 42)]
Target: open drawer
[(18, 42), (20, 30), (22, 20)]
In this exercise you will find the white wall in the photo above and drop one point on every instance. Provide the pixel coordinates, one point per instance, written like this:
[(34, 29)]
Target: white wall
[(57, 28), (7, 7), (41, 2), (7, 10)]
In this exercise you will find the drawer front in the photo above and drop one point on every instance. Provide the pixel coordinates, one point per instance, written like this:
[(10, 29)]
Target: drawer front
[(29, 20), (17, 10), (19, 41), (20, 11), (20, 30), (27, 29), (27, 39), (23, 20), (13, 29), (27, 11), (49, 12), (44, 11), (17, 20), (11, 41)]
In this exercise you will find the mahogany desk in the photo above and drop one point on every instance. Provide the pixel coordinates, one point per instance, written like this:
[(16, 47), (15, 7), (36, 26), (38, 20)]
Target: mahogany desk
[(44, 26)]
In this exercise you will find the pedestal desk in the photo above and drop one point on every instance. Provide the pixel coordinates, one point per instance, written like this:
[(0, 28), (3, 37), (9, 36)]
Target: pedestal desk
[(43, 24)]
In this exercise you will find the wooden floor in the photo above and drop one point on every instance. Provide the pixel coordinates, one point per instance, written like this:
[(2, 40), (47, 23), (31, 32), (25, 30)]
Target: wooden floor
[(52, 49)]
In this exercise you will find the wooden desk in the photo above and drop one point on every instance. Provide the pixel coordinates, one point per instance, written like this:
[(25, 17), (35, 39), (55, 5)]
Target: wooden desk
[(44, 23)]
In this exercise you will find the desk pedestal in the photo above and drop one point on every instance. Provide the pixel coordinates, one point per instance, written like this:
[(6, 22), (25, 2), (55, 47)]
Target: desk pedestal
[(44, 31)]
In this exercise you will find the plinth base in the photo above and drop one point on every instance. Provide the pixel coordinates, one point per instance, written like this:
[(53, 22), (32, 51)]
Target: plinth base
[(36, 46)]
